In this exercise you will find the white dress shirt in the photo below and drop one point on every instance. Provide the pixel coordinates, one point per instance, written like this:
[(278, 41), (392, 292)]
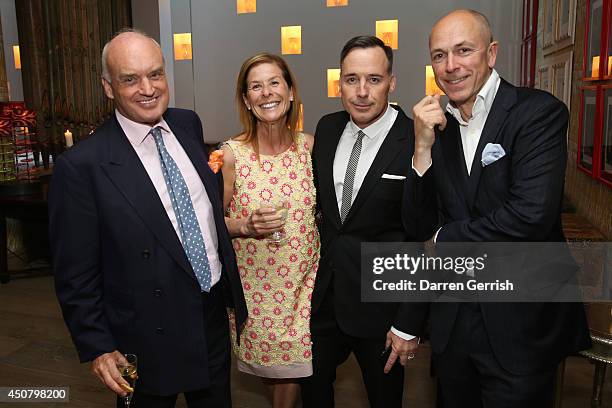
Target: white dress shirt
[(375, 135), (146, 149), (472, 128)]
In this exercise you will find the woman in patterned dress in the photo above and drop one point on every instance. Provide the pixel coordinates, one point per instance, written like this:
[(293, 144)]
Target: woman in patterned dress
[(268, 163)]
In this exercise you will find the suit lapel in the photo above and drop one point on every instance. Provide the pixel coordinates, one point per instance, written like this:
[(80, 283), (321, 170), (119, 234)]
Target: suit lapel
[(503, 102), (325, 163), (452, 152), (199, 160), (127, 173), (390, 148)]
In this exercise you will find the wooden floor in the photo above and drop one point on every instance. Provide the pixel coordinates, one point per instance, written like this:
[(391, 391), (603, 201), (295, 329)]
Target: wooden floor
[(36, 350)]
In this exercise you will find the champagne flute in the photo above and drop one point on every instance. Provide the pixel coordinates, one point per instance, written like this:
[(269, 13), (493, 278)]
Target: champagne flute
[(129, 372), (282, 208)]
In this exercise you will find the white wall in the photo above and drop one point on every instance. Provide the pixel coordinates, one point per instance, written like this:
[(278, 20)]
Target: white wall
[(222, 40)]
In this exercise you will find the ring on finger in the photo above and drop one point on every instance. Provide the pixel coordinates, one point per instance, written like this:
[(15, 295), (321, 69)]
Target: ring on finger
[(410, 356)]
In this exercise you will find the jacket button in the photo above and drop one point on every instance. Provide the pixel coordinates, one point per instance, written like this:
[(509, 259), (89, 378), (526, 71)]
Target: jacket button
[(146, 254), (157, 292), (159, 330)]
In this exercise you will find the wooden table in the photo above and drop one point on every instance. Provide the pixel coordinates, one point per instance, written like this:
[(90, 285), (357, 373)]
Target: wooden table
[(23, 201)]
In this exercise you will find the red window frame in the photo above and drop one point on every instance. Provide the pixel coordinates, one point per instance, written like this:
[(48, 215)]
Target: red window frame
[(529, 42), (597, 128), (595, 83), (603, 176), (603, 42)]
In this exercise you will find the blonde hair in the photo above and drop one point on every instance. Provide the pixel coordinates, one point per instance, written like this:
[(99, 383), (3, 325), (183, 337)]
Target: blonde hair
[(247, 118)]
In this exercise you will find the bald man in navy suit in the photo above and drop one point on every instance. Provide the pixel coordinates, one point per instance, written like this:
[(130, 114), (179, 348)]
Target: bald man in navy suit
[(492, 168)]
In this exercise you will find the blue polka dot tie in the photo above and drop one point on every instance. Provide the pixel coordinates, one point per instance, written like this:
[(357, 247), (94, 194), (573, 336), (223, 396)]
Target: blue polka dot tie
[(188, 226)]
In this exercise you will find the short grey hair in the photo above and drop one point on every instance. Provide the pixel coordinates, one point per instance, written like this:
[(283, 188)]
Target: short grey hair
[(105, 72)]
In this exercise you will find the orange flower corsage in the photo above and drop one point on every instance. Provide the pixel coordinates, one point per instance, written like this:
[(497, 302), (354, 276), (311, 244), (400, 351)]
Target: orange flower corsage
[(215, 161)]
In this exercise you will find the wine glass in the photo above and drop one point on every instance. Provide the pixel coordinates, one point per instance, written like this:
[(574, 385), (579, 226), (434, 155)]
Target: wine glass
[(129, 372), (282, 208)]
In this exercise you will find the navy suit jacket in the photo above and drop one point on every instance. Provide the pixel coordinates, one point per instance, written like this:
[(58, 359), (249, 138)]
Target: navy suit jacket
[(122, 277), (516, 198)]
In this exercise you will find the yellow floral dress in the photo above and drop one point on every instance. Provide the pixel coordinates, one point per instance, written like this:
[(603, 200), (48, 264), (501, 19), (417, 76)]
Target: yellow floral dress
[(277, 278)]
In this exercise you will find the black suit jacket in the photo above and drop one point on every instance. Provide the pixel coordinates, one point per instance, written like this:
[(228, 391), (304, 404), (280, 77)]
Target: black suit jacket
[(375, 216), (122, 277), (516, 198)]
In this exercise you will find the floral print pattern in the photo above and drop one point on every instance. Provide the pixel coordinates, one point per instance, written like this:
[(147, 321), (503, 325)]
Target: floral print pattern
[(277, 278)]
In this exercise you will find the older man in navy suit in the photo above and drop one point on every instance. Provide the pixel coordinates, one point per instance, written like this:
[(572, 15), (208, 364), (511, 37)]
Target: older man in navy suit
[(493, 165), (142, 258)]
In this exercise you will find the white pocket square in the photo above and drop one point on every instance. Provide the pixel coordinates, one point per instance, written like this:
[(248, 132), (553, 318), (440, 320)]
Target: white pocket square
[(491, 153), (393, 177)]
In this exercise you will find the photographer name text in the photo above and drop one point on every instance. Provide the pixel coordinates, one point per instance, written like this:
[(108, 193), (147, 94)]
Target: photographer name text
[(426, 285)]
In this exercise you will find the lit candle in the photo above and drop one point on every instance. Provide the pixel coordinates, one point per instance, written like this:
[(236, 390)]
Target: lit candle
[(595, 67), (68, 136)]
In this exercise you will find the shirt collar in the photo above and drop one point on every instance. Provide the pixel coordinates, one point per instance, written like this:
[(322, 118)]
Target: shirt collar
[(375, 128), (483, 102), (138, 132)]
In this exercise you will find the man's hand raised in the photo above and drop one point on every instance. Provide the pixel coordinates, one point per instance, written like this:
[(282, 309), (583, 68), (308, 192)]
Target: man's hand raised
[(427, 115)]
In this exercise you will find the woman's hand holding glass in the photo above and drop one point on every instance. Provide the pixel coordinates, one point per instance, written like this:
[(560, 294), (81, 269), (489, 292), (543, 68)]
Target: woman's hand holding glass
[(267, 220)]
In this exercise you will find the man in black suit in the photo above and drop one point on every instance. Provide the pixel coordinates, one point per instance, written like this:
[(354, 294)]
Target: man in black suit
[(494, 168), (142, 258), (360, 167)]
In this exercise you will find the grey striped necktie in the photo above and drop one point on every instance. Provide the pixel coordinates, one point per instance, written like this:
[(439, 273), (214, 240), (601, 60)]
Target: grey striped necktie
[(349, 177)]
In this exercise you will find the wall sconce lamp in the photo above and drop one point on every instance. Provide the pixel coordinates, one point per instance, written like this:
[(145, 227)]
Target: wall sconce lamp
[(246, 6), (182, 46), (17, 56), (333, 82), (337, 3), (291, 40), (300, 124), (386, 30), (431, 87), (609, 65)]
